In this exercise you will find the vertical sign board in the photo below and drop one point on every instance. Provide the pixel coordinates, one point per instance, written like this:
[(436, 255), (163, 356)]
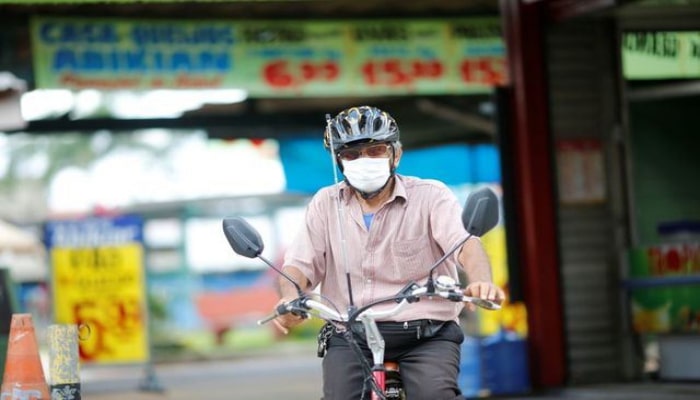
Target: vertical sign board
[(98, 283)]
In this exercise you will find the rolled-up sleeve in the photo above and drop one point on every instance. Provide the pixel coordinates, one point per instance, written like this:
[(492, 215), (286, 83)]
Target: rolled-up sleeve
[(307, 250), (446, 218)]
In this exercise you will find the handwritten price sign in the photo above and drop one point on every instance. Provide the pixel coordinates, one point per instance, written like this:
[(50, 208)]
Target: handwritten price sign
[(484, 71), (272, 58), (101, 288), (110, 323), (401, 72), (286, 74)]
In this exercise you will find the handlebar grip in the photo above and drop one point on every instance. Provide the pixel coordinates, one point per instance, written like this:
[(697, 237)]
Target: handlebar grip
[(483, 303)]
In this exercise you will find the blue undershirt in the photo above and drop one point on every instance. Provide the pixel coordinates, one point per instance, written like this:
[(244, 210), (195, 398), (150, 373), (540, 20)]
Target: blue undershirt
[(368, 219)]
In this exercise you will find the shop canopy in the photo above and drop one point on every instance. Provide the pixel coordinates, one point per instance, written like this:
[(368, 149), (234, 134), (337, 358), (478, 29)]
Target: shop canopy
[(13, 238), (22, 253)]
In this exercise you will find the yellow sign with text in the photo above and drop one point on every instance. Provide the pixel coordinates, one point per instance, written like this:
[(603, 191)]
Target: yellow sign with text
[(513, 315), (101, 289)]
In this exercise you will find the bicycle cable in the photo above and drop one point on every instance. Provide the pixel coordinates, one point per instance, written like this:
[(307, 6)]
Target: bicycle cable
[(340, 211)]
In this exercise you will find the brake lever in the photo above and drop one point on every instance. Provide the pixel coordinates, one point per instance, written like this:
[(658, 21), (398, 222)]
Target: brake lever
[(483, 303), (450, 285), (285, 308)]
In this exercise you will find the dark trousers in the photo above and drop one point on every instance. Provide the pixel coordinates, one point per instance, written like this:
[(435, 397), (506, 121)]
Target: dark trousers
[(428, 360)]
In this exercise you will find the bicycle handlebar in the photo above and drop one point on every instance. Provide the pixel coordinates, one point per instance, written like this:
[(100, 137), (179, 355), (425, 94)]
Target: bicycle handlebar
[(304, 306)]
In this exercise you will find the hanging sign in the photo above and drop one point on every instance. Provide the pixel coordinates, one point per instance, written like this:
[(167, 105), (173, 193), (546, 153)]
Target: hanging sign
[(98, 284), (271, 58), (581, 171), (661, 55)]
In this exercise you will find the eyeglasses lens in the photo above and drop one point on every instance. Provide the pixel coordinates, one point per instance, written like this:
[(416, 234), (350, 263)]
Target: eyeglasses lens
[(377, 150)]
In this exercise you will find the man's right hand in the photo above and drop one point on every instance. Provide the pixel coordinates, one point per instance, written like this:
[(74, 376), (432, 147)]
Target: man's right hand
[(287, 321)]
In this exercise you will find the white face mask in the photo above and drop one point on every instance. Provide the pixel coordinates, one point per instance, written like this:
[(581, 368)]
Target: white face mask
[(367, 174)]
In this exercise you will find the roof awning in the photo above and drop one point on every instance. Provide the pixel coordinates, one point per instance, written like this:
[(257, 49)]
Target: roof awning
[(15, 239)]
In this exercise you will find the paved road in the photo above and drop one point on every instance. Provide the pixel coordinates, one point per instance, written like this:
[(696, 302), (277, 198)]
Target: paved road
[(294, 377)]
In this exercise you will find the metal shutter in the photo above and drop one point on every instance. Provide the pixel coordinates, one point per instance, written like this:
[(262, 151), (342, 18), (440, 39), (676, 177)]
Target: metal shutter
[(582, 103)]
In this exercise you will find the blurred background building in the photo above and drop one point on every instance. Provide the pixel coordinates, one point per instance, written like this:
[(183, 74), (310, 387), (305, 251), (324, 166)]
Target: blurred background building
[(176, 114)]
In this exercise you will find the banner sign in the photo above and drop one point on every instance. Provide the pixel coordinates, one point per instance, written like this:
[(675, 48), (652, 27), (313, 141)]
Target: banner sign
[(661, 55), (271, 59), (665, 282), (98, 284)]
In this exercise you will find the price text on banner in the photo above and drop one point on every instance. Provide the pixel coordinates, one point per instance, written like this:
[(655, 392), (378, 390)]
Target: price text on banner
[(281, 58), (101, 288)]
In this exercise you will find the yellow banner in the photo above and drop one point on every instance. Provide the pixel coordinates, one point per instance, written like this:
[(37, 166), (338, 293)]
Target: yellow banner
[(102, 290), (513, 315)]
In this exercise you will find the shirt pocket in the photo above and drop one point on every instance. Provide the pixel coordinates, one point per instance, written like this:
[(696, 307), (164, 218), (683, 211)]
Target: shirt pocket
[(412, 259)]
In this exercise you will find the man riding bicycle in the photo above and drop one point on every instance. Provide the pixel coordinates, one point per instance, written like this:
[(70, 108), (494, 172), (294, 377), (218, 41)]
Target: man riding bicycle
[(391, 230)]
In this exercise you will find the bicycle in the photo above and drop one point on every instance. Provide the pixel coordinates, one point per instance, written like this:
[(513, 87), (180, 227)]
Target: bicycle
[(479, 216)]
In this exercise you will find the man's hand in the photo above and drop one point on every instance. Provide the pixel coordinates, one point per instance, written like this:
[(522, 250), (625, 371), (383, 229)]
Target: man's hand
[(287, 321), (289, 292), (486, 291)]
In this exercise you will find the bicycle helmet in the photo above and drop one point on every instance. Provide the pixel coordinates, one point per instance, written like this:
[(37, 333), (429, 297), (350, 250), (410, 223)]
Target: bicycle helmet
[(363, 123)]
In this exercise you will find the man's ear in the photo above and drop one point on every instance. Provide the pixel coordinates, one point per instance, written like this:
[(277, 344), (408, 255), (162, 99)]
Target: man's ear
[(397, 156)]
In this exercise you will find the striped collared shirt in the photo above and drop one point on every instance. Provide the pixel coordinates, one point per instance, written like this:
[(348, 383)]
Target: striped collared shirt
[(418, 223)]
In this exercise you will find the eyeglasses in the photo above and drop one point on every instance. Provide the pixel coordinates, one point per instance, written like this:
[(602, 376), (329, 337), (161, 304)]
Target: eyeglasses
[(373, 151)]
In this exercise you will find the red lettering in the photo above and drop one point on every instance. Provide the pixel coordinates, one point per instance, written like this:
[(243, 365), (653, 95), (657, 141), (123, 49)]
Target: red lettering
[(276, 74), (86, 314), (198, 82), (284, 74), (398, 72), (674, 259), (81, 82), (485, 71)]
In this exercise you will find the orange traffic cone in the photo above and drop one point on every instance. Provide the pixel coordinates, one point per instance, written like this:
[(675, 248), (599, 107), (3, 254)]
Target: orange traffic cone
[(24, 376)]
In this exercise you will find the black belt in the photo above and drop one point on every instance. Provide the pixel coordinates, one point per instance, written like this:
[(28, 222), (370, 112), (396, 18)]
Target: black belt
[(406, 325), (422, 327)]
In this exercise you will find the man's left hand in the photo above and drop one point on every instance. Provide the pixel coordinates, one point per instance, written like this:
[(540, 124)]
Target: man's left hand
[(485, 290)]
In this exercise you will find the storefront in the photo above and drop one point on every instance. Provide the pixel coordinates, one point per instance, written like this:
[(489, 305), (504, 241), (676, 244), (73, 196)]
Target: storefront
[(661, 67), (579, 118)]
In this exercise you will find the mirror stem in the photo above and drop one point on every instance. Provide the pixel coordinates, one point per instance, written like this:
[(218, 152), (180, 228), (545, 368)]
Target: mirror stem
[(431, 284), (289, 278)]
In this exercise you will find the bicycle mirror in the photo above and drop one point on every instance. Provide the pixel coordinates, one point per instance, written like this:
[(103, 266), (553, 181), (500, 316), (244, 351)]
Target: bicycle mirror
[(480, 214), (242, 237)]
